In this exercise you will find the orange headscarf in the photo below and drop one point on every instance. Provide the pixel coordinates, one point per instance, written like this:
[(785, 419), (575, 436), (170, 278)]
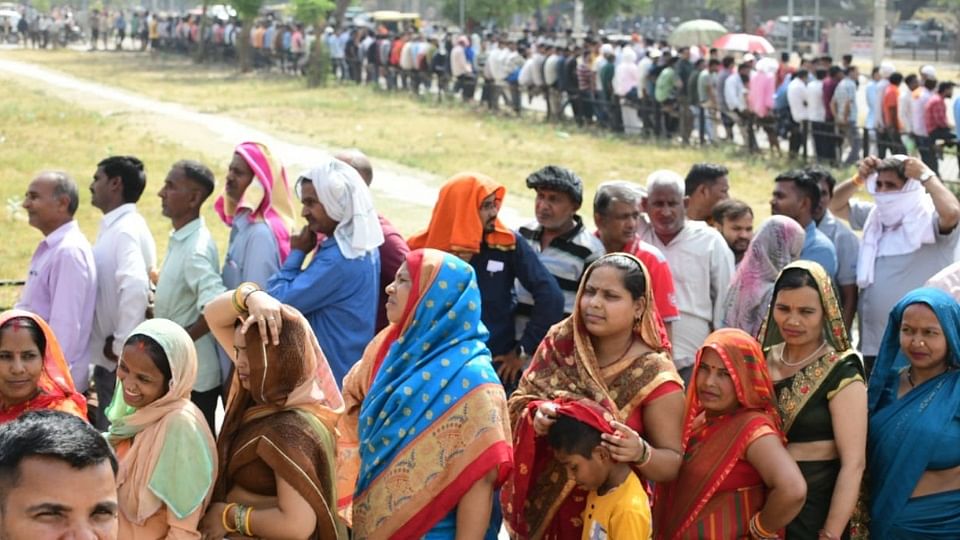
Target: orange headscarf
[(714, 446), (55, 386), (455, 225)]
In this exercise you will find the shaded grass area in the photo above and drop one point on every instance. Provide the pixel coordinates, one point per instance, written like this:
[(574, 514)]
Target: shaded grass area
[(441, 139)]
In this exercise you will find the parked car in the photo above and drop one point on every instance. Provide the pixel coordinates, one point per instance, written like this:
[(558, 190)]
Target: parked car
[(919, 33)]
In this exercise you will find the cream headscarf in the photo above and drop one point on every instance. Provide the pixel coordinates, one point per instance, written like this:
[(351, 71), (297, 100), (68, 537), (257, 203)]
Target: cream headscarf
[(347, 200), (173, 456)]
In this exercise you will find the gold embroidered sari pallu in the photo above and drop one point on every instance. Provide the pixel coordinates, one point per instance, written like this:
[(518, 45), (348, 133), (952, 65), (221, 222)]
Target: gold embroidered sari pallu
[(803, 398), (426, 413)]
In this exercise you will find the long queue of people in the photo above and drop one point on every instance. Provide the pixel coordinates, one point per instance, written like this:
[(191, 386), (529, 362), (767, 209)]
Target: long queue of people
[(668, 375), (637, 87)]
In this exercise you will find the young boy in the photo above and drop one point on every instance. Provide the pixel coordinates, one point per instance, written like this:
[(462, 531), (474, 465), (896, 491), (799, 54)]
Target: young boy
[(617, 507)]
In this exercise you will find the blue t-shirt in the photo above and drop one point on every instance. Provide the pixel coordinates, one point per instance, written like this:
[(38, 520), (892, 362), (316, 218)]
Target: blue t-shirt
[(819, 249), (956, 115), (338, 297)]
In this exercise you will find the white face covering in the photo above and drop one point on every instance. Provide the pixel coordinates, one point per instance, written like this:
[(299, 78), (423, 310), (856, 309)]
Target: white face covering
[(901, 223)]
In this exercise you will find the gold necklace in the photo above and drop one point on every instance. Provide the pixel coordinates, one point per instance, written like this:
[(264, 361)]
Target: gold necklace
[(783, 356)]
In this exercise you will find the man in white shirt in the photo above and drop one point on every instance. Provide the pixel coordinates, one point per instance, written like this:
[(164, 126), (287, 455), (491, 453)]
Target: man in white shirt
[(699, 258), (124, 254), (799, 113), (821, 131), (918, 103), (905, 113)]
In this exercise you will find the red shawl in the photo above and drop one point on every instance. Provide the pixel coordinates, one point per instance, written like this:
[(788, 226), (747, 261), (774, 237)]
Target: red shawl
[(55, 386)]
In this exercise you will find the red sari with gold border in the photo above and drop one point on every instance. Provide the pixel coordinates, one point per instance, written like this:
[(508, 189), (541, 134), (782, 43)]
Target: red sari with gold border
[(540, 500), (717, 490)]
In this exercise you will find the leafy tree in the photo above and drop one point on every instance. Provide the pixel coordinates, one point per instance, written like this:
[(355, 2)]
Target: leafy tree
[(596, 12), (314, 12), (247, 11), (908, 8), (482, 11)]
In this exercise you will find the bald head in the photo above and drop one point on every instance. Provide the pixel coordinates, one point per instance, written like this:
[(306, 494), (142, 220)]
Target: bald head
[(359, 161)]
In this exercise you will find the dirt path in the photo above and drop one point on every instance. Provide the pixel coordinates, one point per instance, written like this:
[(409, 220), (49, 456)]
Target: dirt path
[(218, 134)]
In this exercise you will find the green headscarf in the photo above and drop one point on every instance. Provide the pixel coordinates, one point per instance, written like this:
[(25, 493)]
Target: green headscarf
[(172, 458)]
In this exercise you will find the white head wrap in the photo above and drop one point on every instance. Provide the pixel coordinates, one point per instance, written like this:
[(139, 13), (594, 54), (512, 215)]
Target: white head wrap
[(347, 201), (900, 223), (929, 71)]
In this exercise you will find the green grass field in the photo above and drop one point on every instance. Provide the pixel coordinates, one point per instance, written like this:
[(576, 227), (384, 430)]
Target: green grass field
[(440, 139), (40, 132)]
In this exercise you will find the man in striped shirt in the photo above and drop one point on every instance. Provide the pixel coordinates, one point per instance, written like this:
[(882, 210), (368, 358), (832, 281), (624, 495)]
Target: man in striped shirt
[(559, 237)]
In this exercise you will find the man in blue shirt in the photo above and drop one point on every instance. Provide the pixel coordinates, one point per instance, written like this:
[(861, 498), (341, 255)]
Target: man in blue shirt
[(337, 292), (956, 124), (797, 195)]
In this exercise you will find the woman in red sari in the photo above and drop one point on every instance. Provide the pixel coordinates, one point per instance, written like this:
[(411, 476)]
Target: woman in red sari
[(737, 479), (33, 372), (609, 351)]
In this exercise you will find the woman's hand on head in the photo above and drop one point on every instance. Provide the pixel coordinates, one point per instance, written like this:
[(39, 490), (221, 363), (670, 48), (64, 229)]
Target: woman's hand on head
[(545, 417), (625, 445), (264, 312)]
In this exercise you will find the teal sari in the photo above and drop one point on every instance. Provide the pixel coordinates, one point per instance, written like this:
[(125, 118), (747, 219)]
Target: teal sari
[(917, 432)]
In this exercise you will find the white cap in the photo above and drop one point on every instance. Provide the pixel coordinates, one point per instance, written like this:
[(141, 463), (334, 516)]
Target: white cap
[(606, 49), (886, 69), (749, 57), (654, 52), (928, 71)]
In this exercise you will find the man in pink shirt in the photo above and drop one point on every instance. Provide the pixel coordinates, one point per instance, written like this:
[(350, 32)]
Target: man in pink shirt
[(62, 283), (935, 118)]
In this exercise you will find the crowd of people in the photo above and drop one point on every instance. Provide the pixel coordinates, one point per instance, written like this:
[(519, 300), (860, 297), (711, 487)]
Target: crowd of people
[(640, 86), (666, 374)]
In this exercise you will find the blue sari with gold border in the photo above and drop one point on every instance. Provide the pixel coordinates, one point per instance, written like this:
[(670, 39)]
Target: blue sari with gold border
[(434, 420)]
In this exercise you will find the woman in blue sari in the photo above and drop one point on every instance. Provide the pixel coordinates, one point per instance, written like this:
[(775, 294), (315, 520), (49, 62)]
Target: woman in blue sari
[(913, 448), (426, 433)]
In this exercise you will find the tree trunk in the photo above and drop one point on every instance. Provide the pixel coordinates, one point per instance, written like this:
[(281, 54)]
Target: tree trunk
[(908, 8), (342, 6), (204, 24), (318, 65), (243, 45)]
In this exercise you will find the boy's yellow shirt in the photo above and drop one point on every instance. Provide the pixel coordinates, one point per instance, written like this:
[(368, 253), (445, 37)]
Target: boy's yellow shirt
[(623, 513)]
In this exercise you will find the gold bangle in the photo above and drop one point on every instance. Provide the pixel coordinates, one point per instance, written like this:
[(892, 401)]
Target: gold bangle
[(241, 293), (647, 454), (246, 522), (758, 528), (225, 521)]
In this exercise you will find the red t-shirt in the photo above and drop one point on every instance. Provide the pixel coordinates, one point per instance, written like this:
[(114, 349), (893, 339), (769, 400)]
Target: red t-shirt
[(661, 278)]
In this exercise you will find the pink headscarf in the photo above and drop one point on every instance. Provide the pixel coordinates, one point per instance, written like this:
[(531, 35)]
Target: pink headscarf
[(778, 243), (268, 196)]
